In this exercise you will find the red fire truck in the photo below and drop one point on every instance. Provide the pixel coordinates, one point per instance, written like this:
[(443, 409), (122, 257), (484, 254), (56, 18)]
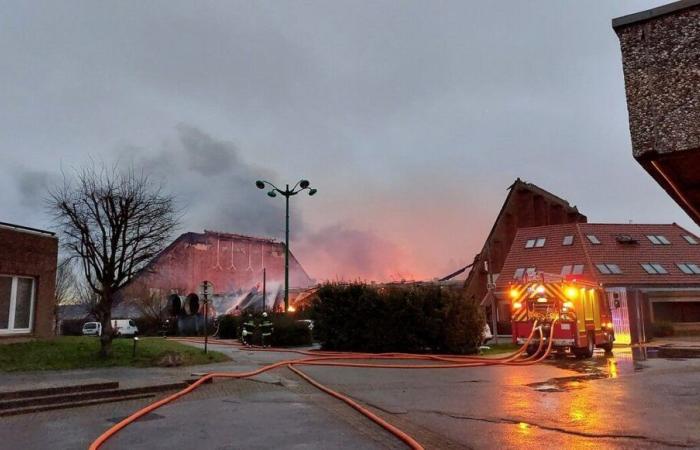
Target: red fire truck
[(580, 308)]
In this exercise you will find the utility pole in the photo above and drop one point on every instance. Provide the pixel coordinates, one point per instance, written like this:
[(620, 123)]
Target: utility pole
[(264, 289), (205, 294)]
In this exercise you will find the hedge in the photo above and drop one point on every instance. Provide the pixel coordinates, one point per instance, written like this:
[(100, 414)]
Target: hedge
[(396, 318), (286, 330), (229, 327)]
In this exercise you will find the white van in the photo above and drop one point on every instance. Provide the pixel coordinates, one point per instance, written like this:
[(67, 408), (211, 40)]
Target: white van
[(92, 329), (124, 327)]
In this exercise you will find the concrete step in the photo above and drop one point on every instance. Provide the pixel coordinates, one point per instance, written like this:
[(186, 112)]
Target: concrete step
[(43, 392), (81, 398), (75, 404)]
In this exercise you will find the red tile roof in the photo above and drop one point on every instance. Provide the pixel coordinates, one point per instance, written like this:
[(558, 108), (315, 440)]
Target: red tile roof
[(628, 256)]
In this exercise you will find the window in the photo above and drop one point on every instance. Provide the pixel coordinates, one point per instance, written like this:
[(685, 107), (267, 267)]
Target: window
[(568, 240), (608, 269), (658, 239), (572, 269), (689, 268), (535, 242), (16, 304), (531, 272), (654, 268), (593, 238), (690, 239), (614, 268), (519, 273)]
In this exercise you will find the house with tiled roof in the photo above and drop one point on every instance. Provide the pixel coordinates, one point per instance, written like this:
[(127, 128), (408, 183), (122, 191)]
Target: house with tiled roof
[(650, 272), (525, 205)]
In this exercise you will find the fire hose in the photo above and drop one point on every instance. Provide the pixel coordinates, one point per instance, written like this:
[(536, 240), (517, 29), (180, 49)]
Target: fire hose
[(331, 358)]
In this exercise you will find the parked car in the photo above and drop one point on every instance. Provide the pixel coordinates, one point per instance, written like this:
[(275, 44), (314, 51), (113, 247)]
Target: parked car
[(92, 329), (486, 335), (307, 322), (124, 327)]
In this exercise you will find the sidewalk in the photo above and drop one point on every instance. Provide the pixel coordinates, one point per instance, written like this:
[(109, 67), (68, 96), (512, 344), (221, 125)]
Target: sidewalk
[(679, 342)]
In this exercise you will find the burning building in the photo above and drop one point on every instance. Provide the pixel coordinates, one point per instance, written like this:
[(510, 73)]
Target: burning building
[(232, 263), (662, 81)]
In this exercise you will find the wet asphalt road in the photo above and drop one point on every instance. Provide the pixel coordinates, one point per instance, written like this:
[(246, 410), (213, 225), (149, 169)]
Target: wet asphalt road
[(607, 402)]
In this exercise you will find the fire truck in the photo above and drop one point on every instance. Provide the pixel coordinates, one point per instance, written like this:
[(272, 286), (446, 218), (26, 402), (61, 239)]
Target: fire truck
[(573, 312)]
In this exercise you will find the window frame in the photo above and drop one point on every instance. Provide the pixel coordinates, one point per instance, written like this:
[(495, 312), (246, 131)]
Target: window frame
[(539, 243), (530, 243), (10, 330)]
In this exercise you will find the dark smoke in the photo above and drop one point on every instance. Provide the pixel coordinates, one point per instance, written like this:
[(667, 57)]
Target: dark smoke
[(216, 186)]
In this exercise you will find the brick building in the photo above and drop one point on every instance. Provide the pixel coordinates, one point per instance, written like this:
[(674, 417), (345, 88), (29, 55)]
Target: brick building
[(651, 271), (28, 259), (661, 65), (233, 263), (526, 205)]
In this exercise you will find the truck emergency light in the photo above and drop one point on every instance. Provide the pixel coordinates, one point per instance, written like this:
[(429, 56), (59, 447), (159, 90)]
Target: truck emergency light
[(571, 292)]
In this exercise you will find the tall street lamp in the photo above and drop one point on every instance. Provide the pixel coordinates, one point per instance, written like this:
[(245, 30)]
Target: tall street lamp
[(301, 185)]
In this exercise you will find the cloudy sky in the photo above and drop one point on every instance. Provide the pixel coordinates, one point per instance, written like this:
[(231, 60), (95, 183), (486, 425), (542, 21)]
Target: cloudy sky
[(410, 117)]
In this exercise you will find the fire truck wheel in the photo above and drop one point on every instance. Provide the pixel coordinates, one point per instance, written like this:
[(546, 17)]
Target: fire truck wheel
[(608, 346), (587, 351), (531, 350)]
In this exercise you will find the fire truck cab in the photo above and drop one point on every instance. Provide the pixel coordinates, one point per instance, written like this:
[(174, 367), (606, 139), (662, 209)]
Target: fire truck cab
[(576, 309)]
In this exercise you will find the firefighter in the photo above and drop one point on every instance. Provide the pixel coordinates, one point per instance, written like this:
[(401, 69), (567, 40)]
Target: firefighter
[(266, 330), (248, 330)]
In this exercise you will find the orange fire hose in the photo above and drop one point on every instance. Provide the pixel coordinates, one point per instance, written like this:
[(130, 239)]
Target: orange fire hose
[(330, 359)]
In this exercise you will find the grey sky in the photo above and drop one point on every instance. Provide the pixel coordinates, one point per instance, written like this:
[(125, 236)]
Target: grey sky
[(410, 117)]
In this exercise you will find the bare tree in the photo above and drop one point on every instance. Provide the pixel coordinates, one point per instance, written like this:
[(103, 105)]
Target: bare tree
[(113, 221), (65, 287), (152, 304)]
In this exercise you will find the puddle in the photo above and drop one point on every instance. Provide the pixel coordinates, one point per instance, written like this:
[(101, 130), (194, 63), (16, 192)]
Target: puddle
[(565, 384), (620, 362), (677, 354)]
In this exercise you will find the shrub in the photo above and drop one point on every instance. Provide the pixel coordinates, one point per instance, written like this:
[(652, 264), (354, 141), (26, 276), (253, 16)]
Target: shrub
[(229, 327), (662, 329), (288, 332), (73, 327), (400, 318), (147, 326)]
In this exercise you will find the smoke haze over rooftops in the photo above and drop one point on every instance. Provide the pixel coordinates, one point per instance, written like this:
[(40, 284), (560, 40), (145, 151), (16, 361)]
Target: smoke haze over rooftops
[(411, 118)]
